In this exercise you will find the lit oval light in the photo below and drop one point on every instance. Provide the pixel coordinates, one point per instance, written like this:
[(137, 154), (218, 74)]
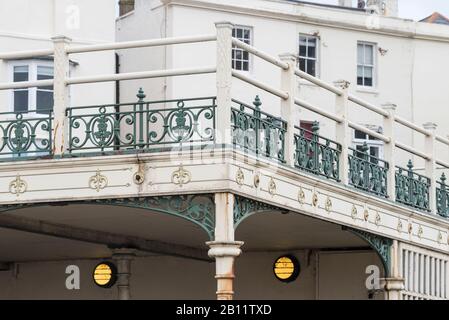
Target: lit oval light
[(105, 275), (286, 268)]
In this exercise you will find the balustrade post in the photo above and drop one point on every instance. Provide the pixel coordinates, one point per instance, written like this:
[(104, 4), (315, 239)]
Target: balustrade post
[(141, 96), (288, 84), (431, 165), (60, 95), (390, 149), (343, 134), (224, 82)]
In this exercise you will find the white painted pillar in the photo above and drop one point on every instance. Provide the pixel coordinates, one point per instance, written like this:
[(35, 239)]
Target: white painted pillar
[(395, 284), (343, 134), (288, 84), (431, 165), (60, 94), (224, 249), (123, 258), (224, 82), (390, 148)]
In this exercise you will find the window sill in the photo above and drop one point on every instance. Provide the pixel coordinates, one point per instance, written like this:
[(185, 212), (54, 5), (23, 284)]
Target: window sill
[(370, 90)]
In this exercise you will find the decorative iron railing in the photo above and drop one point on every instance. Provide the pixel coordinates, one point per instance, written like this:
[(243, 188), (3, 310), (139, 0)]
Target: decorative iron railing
[(367, 172), (442, 197), (316, 154), (257, 131), (25, 134), (141, 125), (412, 189)]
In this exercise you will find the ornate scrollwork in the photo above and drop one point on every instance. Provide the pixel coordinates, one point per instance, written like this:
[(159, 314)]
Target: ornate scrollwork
[(412, 189), (257, 131), (354, 212), (420, 232), (316, 154), (378, 219), (315, 199), (101, 127), (244, 207), (272, 187), (181, 176), (368, 173), (301, 196), (256, 180), (380, 244), (98, 181), (366, 214), (240, 177), (18, 186), (20, 135), (328, 204), (399, 227)]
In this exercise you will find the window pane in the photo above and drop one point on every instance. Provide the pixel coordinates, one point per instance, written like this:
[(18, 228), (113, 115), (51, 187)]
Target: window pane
[(20, 100), (303, 51), (369, 54), (44, 101), (245, 66), (311, 67), (360, 135), (239, 33), (374, 151), (238, 65), (45, 73), (302, 65), (20, 73), (360, 76), (311, 52), (240, 58), (360, 59), (246, 34)]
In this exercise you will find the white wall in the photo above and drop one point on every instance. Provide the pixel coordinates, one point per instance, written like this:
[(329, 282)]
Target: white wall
[(28, 25), (161, 277)]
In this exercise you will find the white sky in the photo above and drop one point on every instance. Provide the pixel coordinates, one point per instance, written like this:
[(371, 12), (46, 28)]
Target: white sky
[(410, 9)]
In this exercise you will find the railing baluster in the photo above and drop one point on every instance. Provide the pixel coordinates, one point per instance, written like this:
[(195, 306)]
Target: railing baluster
[(141, 96)]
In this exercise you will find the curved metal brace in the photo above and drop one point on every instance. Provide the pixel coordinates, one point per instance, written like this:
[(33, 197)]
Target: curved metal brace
[(198, 209), (244, 208), (380, 244)]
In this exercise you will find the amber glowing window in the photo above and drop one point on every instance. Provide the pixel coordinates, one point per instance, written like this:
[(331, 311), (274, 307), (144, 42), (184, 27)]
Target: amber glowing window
[(105, 275), (286, 268)]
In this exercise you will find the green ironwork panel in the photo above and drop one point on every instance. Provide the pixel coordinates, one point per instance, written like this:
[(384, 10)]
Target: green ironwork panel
[(412, 189), (141, 125), (258, 132), (25, 134), (442, 197), (198, 209), (244, 208), (368, 173), (316, 154), (380, 244)]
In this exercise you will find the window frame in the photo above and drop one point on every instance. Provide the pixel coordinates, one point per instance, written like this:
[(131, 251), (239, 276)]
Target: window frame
[(317, 55), (370, 143), (374, 65), (251, 43), (32, 76)]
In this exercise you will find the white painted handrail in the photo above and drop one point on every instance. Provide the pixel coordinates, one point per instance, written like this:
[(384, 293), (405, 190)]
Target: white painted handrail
[(260, 85), (370, 132), (321, 112), (141, 75), (260, 54), (367, 105), (412, 126), (26, 54), (411, 150), (318, 82), (25, 84), (141, 43), (442, 140)]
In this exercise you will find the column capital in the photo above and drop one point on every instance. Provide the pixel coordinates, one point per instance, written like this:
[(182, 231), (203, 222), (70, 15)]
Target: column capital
[(61, 38), (288, 57), (224, 248), (430, 126), (224, 24), (123, 253), (392, 284), (389, 106), (342, 84)]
